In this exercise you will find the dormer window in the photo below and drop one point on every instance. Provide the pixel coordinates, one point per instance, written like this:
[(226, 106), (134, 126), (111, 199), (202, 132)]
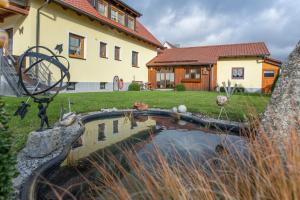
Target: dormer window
[(114, 14), (121, 18), (103, 8), (131, 23)]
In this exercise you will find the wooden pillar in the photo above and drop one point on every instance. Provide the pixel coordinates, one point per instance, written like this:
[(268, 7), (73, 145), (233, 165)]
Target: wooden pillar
[(210, 76)]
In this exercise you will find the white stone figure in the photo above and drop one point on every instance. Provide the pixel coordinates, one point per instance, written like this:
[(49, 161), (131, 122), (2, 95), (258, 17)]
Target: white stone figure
[(174, 109), (222, 100), (182, 109)]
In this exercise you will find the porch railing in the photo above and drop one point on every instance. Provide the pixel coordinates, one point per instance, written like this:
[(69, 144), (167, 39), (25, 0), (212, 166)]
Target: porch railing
[(7, 69)]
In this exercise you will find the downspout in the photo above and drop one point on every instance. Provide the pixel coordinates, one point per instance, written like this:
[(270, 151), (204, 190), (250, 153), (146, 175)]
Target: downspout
[(38, 23), (38, 30)]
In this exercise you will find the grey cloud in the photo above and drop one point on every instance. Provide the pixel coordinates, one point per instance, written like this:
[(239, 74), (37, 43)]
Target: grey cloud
[(205, 22)]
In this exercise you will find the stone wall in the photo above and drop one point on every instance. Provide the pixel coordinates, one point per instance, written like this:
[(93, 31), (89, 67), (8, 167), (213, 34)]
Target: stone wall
[(282, 116)]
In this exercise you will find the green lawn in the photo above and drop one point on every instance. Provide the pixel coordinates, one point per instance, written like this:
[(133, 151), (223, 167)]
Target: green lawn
[(199, 102)]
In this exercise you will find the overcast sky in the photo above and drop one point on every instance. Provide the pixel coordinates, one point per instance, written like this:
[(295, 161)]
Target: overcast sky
[(206, 22)]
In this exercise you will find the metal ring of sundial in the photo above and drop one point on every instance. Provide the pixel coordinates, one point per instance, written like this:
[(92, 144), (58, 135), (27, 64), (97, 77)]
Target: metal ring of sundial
[(51, 58)]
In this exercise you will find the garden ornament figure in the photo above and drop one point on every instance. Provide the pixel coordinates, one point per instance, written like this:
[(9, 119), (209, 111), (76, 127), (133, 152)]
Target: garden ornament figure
[(22, 110), (38, 81), (43, 115), (223, 100)]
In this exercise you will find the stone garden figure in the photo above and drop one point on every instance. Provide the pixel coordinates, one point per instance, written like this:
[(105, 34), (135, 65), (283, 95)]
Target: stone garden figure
[(223, 100)]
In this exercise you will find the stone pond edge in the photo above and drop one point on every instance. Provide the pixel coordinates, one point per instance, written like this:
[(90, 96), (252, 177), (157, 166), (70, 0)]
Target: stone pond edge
[(27, 190)]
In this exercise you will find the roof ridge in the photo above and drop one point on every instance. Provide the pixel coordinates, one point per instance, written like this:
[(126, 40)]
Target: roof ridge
[(220, 45)]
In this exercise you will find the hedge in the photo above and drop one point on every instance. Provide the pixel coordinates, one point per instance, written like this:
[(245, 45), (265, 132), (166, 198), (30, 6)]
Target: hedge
[(7, 157)]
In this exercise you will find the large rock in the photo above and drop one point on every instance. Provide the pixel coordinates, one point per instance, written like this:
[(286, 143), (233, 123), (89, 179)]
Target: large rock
[(282, 115), (41, 144)]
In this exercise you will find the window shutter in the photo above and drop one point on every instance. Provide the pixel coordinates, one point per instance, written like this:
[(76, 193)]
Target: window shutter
[(121, 57), (96, 4), (126, 20), (109, 11), (107, 51)]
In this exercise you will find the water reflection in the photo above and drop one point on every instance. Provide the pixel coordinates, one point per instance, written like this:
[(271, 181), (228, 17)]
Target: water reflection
[(189, 140), (100, 134)]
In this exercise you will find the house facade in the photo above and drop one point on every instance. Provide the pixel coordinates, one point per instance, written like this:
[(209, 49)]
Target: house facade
[(205, 68), (101, 39)]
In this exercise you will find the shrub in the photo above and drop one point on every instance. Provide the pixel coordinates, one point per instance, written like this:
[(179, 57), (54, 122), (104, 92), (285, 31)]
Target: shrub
[(238, 90), (134, 87), (7, 157), (180, 88), (275, 83)]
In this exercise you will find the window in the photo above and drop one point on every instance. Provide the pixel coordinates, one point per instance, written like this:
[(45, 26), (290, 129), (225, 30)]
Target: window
[(115, 126), (135, 56), (117, 53), (71, 86), (130, 23), (76, 46), (101, 132), (114, 14), (121, 18), (102, 8), (102, 85), (103, 53), (238, 73), (269, 73), (193, 73)]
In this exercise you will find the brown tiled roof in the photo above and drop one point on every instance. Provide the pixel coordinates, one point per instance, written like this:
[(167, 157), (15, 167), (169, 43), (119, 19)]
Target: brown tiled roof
[(208, 54), (273, 61), (84, 7)]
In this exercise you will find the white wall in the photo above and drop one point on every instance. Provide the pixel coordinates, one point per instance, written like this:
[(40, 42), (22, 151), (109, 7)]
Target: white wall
[(252, 69)]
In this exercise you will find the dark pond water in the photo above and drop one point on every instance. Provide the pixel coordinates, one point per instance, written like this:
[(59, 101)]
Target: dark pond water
[(144, 134)]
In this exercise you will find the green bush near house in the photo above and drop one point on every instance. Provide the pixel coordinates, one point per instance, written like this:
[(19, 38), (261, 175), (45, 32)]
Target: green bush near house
[(238, 90), (7, 157), (134, 87), (180, 88), (275, 82)]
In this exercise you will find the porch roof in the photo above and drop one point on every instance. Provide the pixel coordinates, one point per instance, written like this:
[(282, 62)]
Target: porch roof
[(208, 54)]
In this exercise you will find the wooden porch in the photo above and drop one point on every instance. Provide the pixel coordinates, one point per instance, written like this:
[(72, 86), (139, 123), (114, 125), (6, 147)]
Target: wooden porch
[(202, 77)]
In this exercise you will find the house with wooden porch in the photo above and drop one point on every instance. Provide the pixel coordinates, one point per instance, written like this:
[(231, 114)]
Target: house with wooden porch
[(248, 65)]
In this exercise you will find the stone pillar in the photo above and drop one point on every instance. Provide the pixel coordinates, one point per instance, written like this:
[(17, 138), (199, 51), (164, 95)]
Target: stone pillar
[(282, 115)]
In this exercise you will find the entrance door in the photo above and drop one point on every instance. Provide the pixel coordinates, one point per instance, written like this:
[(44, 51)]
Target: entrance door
[(10, 40), (269, 76), (165, 78)]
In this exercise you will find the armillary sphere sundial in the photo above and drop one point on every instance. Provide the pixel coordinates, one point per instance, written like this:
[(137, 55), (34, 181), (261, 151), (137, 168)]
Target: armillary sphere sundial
[(42, 75)]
